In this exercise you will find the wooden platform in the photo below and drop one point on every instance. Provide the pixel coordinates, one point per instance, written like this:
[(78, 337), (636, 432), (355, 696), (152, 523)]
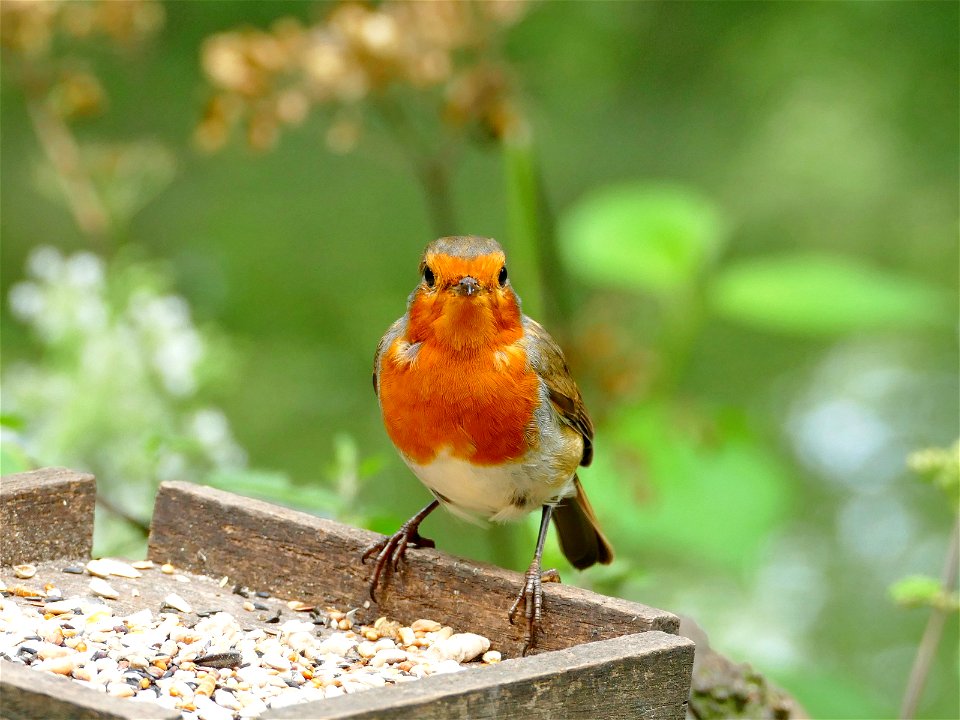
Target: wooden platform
[(599, 657)]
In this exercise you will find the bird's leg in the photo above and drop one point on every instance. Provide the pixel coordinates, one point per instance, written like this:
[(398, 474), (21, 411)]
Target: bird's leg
[(531, 596), (390, 551)]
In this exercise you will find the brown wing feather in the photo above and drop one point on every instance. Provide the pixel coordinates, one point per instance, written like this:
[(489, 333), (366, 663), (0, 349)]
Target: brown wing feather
[(581, 539), (547, 359)]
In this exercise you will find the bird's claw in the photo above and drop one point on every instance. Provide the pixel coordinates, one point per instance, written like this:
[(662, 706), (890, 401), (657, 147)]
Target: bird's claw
[(531, 599), (389, 551)]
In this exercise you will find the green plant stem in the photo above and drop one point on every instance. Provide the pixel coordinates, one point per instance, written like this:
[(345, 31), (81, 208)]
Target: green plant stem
[(533, 235), (434, 176), (431, 162), (933, 632)]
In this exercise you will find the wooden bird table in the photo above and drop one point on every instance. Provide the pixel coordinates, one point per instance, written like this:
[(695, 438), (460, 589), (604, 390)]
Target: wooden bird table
[(598, 657)]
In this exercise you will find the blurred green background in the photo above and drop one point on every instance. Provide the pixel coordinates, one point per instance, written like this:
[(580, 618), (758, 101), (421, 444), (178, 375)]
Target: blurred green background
[(739, 218)]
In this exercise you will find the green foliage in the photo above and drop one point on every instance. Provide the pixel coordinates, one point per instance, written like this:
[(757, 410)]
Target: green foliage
[(335, 496), (642, 237), (278, 487), (13, 459), (711, 499), (923, 591), (819, 294), (941, 468), (11, 422)]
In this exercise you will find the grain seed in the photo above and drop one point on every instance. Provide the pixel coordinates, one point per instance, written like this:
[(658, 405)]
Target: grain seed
[(491, 656), (25, 572), (99, 586), (177, 603)]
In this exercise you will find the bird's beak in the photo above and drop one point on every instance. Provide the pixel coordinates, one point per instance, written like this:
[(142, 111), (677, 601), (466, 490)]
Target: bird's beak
[(467, 286)]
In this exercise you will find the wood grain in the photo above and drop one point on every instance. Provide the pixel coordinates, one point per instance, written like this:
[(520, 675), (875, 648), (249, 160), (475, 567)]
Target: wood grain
[(297, 555), (29, 694), (635, 676), (46, 514)]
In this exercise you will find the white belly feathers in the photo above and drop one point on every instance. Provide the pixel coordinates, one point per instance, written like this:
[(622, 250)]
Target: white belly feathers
[(493, 492)]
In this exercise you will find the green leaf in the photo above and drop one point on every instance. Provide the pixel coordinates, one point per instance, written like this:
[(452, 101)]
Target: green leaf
[(922, 591), (653, 238), (11, 421), (710, 502), (820, 294), (941, 467)]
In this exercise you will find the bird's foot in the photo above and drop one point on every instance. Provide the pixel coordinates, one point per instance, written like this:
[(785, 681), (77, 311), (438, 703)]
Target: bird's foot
[(389, 551), (530, 599)]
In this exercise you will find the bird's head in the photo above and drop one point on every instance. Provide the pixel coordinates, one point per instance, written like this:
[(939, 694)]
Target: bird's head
[(464, 299)]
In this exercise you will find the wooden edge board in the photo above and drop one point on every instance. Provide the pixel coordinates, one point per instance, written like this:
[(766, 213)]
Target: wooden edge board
[(300, 556), (635, 676), (28, 694), (46, 514)]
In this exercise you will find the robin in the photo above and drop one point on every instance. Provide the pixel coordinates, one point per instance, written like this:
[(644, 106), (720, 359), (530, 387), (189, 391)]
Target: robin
[(478, 400)]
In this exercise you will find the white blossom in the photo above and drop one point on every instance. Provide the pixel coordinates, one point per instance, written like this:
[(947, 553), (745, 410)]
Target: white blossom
[(27, 301), (116, 388), (45, 263)]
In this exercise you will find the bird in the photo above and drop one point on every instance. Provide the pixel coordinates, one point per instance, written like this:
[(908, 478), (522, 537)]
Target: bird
[(479, 401)]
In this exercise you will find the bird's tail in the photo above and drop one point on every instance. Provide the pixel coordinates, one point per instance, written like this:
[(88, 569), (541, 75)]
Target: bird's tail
[(581, 540)]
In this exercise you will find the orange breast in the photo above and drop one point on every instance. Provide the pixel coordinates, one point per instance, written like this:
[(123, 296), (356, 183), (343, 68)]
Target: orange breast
[(479, 405)]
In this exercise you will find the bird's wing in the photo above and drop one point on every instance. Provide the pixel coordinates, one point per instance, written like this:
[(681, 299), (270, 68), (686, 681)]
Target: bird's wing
[(393, 332), (546, 358)]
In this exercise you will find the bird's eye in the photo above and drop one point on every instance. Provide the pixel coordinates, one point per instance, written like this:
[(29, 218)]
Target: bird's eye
[(502, 277), (428, 277)]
